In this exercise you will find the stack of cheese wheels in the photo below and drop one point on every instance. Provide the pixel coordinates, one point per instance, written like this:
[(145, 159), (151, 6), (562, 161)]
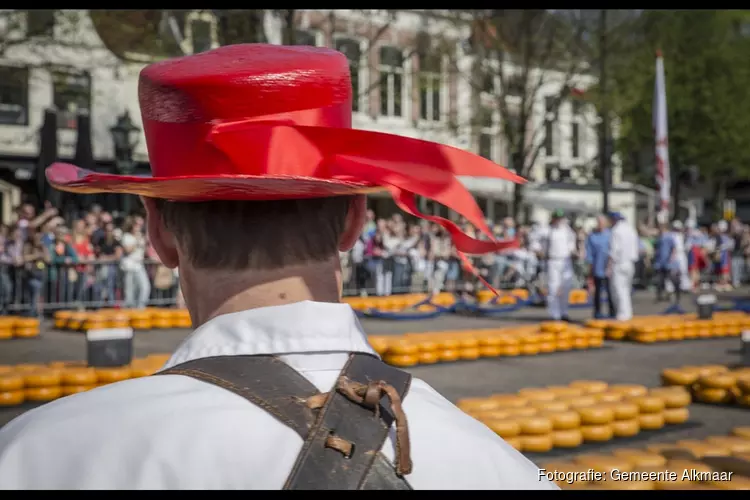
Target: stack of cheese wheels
[(77, 379), (584, 411), (11, 387), (41, 383), (25, 328), (6, 328), (111, 375), (715, 384)]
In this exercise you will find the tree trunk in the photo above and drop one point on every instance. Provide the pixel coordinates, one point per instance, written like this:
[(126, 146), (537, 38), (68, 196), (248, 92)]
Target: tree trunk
[(517, 203)]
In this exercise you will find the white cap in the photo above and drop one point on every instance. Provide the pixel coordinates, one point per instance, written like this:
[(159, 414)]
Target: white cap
[(677, 225), (722, 226)]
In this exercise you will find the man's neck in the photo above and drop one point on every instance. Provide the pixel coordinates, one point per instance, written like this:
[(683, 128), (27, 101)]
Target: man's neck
[(212, 293)]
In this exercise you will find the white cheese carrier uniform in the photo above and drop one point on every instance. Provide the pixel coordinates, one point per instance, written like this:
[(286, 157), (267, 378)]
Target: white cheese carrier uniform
[(176, 431), (561, 243), (623, 250)]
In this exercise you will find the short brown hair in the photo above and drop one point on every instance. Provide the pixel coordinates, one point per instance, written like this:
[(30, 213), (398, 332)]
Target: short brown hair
[(240, 235)]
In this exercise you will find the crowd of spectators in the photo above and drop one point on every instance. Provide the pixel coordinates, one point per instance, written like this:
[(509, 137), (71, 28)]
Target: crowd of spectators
[(96, 259), (395, 256)]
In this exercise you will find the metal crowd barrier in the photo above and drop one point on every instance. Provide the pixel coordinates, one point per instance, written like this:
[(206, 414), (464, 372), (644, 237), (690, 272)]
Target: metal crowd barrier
[(37, 289)]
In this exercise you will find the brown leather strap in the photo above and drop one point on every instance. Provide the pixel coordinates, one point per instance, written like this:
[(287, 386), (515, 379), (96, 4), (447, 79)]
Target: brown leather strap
[(355, 414), (343, 430)]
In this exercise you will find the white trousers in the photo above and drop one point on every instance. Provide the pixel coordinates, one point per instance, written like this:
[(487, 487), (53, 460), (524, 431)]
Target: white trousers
[(559, 283), (621, 284)]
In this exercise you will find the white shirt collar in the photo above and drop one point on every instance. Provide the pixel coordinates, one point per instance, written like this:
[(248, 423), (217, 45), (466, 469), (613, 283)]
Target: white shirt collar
[(302, 327)]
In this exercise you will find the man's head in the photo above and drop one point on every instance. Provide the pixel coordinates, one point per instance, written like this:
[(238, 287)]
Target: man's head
[(722, 226), (602, 222), (677, 226), (557, 216), (236, 236), (26, 211)]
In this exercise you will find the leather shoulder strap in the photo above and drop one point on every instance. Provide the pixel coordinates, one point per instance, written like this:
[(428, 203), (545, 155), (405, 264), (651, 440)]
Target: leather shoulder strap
[(343, 430)]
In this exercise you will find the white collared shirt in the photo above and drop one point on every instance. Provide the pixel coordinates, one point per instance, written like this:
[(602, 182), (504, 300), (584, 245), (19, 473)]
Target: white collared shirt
[(174, 432), (561, 241), (624, 244)]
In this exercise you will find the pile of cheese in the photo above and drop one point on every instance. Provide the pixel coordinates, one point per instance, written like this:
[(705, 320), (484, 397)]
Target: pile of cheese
[(539, 419), (17, 327), (715, 384), (432, 347), (138, 319), (42, 383), (663, 328), (649, 469)]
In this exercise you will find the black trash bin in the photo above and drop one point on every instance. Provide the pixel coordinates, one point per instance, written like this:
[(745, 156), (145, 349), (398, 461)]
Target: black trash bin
[(705, 304), (109, 347)]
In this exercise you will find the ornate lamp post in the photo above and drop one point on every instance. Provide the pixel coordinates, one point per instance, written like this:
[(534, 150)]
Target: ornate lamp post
[(125, 137)]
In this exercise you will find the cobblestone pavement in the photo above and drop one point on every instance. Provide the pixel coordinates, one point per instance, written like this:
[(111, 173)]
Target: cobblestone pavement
[(616, 362)]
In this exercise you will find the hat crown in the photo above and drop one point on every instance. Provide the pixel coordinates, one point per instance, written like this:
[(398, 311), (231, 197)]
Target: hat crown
[(243, 81)]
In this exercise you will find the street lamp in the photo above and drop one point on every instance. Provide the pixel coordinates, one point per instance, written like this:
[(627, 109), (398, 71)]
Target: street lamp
[(125, 137)]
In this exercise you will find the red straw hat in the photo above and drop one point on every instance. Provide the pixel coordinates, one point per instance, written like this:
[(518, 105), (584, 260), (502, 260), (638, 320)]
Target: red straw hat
[(268, 122)]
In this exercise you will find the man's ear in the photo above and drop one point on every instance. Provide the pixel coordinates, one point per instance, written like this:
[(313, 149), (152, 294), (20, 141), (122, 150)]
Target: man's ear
[(161, 238), (355, 221)]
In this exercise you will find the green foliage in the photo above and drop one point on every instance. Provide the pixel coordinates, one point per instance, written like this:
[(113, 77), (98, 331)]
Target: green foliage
[(708, 91)]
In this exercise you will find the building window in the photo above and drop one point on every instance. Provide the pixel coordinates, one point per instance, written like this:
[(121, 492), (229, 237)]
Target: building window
[(575, 140), (202, 35), (552, 172), (487, 134), (351, 49), (516, 85), (302, 37), (485, 146), (391, 81), (71, 95), (430, 88), (40, 22), (549, 104), (14, 96), (549, 140)]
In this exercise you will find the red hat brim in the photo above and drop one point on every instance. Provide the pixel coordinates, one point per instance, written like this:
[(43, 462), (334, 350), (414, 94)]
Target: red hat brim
[(71, 178)]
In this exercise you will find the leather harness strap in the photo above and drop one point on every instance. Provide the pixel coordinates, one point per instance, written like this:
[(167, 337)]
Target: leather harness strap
[(343, 430)]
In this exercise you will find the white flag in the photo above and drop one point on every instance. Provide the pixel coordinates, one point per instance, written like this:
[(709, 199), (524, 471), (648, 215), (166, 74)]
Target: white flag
[(660, 133)]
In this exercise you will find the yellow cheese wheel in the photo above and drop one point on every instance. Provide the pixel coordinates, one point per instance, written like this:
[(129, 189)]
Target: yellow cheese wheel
[(578, 401), (477, 404), (563, 345), (683, 465), (427, 358), (629, 390), (648, 404), (509, 400), (43, 393), (563, 420), (505, 428), (5, 369), (110, 375), (604, 463), (547, 347), (673, 397), (743, 432), (717, 381), (515, 442), (401, 347), (608, 397), (562, 391), (736, 445), (711, 369), (448, 355), (629, 485), (69, 390), (26, 332), (549, 405), (10, 382), (640, 458), (702, 449), (11, 398), (508, 340), (6, 333), (564, 337), (79, 376), (402, 360), (536, 394), (713, 396), (490, 351), (538, 443), (595, 414), (651, 421), (60, 365), (41, 378), (468, 343), (568, 438), (589, 386), (522, 412), (529, 350), (743, 383), (469, 353), (448, 344), (553, 326), (626, 428), (674, 416), (490, 415), (511, 350), (597, 433), (535, 425), (580, 343)]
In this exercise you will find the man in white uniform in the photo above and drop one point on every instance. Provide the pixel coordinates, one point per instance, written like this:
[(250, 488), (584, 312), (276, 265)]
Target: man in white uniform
[(261, 277), (623, 254), (560, 247)]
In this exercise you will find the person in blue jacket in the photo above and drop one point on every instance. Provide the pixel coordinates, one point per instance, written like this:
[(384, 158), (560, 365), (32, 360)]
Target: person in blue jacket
[(666, 263), (597, 253)]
